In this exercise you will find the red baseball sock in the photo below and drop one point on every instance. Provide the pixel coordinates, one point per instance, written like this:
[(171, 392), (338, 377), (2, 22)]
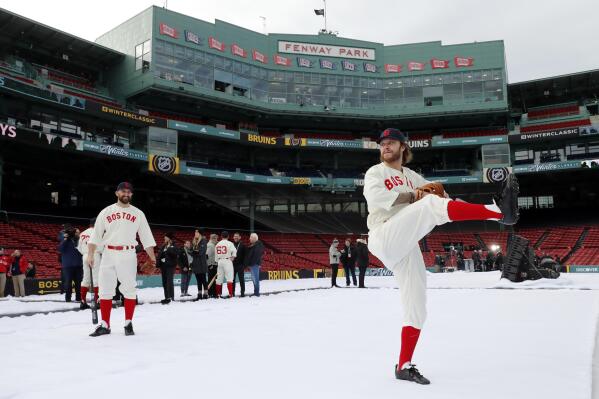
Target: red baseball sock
[(458, 210), (409, 339), (105, 309), (219, 289), (96, 293), (129, 308), (230, 288), (84, 294)]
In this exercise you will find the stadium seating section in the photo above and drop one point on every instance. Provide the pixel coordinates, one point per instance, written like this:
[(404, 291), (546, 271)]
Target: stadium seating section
[(38, 241)]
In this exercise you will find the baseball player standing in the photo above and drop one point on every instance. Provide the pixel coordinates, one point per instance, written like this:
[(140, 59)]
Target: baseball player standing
[(225, 252), (400, 213), (86, 282), (116, 229)]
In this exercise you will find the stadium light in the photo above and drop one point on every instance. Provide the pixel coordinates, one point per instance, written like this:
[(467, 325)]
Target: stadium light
[(494, 247)]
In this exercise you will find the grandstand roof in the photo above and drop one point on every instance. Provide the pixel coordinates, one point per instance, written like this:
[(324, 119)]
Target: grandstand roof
[(35, 36)]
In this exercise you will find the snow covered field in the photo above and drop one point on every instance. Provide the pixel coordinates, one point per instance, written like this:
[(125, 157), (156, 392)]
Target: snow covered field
[(479, 342)]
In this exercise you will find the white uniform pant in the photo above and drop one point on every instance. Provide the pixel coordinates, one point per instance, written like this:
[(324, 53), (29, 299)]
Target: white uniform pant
[(395, 243), (121, 266), (95, 271), (224, 272)]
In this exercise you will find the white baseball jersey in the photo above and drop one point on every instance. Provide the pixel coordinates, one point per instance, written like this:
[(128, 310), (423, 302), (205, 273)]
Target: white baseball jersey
[(116, 225), (225, 249), (83, 241), (382, 185)]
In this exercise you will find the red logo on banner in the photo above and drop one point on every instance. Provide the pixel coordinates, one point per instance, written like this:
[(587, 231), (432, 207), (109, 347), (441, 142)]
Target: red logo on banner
[(258, 56), (463, 61), (393, 68), (415, 66), (167, 30), (436, 64), (238, 51), (213, 43), (280, 60)]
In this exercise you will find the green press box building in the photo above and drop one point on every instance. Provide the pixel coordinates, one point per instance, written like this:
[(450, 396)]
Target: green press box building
[(288, 73)]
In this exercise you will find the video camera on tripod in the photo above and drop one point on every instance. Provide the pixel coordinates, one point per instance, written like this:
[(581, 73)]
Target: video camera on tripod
[(520, 262)]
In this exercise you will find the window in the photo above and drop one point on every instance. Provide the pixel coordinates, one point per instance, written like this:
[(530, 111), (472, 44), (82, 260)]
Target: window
[(545, 202), (525, 202), (143, 55)]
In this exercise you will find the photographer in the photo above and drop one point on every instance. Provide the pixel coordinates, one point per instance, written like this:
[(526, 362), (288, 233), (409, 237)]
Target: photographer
[(72, 263), (185, 261), (167, 261), (334, 255)]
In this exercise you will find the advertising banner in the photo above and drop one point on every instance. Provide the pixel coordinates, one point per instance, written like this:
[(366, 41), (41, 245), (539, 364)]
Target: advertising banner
[(114, 151), (543, 136), (547, 167), (201, 129), (464, 141), (125, 115)]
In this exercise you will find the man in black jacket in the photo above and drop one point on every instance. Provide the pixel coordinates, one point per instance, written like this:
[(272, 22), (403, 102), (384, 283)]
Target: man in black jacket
[(199, 264), (72, 263), (239, 264), (362, 259), (253, 259), (348, 258), (167, 261), (185, 260)]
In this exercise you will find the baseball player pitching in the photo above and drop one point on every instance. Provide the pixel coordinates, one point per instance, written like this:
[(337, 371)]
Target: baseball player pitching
[(89, 273), (115, 230), (225, 252), (403, 207)]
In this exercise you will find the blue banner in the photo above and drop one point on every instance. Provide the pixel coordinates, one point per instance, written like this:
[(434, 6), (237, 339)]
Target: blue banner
[(464, 141)]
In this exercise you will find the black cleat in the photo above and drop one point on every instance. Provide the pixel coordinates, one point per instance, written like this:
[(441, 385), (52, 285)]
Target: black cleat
[(165, 301), (411, 374), (100, 330), (129, 329), (508, 202), (83, 306)]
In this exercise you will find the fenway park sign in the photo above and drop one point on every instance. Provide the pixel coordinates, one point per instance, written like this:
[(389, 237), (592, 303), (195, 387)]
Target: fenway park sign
[(326, 50)]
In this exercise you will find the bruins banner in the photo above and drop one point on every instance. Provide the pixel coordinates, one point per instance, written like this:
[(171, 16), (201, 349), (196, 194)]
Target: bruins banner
[(163, 164)]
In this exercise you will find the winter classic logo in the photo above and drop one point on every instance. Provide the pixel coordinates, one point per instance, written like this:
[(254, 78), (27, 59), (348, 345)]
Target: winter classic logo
[(164, 165)]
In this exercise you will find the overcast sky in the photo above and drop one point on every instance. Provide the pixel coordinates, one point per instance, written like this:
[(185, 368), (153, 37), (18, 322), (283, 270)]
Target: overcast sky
[(542, 37)]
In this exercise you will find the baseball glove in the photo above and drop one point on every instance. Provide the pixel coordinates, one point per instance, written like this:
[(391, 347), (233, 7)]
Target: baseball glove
[(433, 188)]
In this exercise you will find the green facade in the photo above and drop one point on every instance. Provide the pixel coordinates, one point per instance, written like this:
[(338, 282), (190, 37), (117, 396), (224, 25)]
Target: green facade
[(197, 69)]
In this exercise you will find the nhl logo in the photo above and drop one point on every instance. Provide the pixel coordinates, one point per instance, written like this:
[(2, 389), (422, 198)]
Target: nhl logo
[(164, 164), (497, 175)]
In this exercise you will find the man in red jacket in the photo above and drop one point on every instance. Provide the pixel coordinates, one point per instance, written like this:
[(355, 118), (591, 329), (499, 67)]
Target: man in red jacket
[(18, 268), (4, 267)]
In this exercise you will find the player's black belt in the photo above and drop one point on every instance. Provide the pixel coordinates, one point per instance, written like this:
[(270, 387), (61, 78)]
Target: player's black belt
[(120, 247)]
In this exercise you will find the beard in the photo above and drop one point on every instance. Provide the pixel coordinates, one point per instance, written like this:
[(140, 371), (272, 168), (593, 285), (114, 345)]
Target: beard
[(396, 156), (125, 199)]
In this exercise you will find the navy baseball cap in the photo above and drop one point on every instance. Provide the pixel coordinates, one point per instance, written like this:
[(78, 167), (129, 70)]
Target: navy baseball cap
[(394, 134), (124, 186)]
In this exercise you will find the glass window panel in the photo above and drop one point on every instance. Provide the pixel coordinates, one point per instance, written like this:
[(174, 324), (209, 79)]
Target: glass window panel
[(138, 50), (237, 67), (169, 48), (189, 53), (299, 77), (245, 69), (179, 51), (218, 62), (147, 47), (159, 46)]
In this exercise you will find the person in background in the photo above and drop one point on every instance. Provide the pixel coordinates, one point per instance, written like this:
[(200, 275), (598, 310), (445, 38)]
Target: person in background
[(185, 260), (253, 259), (5, 262), (212, 265), (30, 270), (362, 259), (348, 258), (490, 261), (17, 271), (334, 255), (72, 263), (167, 262), (199, 264), (499, 261), (476, 260), (238, 264)]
